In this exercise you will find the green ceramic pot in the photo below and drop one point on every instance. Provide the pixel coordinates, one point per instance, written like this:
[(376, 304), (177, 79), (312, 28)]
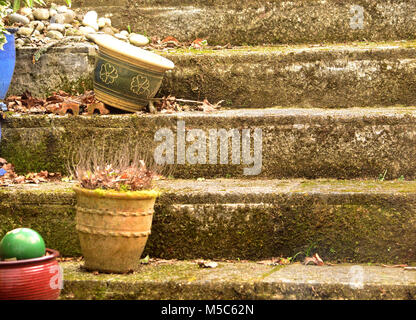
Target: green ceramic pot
[(125, 76)]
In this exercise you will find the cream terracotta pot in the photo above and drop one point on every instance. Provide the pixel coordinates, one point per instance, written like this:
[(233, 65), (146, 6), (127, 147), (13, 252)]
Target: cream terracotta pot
[(113, 227), (125, 76)]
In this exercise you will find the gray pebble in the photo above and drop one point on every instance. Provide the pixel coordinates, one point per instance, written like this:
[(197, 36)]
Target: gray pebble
[(108, 30), (121, 36), (58, 18), (19, 43), (138, 40), (86, 30), (41, 14), (53, 34), (25, 31), (25, 11), (57, 27), (52, 12), (62, 9), (37, 24), (18, 18)]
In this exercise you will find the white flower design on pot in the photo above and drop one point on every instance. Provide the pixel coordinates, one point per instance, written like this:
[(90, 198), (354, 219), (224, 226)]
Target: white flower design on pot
[(108, 73), (140, 85)]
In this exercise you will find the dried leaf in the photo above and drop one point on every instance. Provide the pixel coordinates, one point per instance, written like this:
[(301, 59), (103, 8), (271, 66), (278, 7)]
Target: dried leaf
[(199, 43), (315, 259), (91, 107)]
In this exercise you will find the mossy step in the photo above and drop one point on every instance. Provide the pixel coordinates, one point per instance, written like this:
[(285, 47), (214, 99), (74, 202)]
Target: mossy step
[(325, 76), (296, 143), (258, 22), (359, 221), (185, 280)]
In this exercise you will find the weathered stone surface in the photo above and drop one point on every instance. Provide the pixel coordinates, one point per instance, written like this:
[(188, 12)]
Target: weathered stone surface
[(316, 76), (272, 22), (374, 74), (184, 280), (59, 68), (360, 221), (301, 143)]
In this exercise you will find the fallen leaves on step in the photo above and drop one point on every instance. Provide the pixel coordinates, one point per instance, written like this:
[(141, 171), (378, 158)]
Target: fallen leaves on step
[(171, 43), (60, 103), (315, 260), (9, 177), (171, 104), (199, 43)]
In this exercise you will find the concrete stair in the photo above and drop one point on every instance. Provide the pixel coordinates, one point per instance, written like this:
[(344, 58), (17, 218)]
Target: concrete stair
[(296, 143), (344, 221), (184, 280), (322, 76), (263, 22)]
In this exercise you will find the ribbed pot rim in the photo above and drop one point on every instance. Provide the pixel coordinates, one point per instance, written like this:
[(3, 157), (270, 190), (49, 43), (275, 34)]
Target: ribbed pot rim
[(53, 254), (113, 194)]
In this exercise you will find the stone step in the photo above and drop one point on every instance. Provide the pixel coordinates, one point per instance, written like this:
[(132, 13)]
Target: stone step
[(185, 280), (265, 22), (294, 143), (345, 221), (327, 76)]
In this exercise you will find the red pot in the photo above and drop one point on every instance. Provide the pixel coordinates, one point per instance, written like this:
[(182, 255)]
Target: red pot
[(31, 279)]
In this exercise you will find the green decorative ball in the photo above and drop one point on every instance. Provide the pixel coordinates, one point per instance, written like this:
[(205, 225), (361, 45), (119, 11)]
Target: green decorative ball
[(22, 243)]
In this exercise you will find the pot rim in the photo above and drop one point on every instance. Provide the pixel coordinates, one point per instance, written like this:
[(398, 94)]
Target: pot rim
[(132, 53), (113, 194), (53, 254)]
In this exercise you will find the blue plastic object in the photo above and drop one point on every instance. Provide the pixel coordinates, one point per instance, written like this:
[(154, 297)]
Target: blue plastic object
[(7, 62)]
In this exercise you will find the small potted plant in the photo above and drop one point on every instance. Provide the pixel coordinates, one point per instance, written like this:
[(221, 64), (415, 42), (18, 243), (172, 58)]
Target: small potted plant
[(114, 212)]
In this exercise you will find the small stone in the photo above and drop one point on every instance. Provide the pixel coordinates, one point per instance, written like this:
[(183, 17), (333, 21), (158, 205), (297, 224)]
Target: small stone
[(61, 9), (108, 30), (37, 24), (69, 16), (25, 31), (86, 30), (90, 20), (104, 22), (18, 18), (58, 18), (124, 33), (25, 11), (31, 17), (53, 34), (73, 32), (52, 12), (19, 43), (57, 27), (138, 39), (41, 14), (121, 36)]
